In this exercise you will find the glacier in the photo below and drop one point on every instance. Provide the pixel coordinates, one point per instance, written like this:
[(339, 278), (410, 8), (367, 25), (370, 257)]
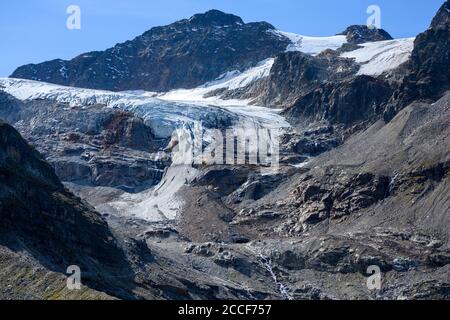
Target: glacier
[(159, 203), (185, 108)]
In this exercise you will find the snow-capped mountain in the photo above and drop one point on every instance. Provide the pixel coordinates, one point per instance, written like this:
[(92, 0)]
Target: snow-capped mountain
[(185, 54), (362, 125)]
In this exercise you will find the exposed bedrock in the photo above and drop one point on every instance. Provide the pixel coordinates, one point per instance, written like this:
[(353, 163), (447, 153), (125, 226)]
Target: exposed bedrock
[(91, 145), (185, 54)]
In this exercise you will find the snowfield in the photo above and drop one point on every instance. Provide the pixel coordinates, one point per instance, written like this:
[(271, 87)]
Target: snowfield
[(378, 57), (375, 58), (312, 45), (229, 81), (161, 202), (236, 79)]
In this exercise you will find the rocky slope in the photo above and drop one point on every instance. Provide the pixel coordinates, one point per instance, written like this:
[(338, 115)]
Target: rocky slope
[(428, 69), (363, 176), (92, 146), (40, 236), (41, 221), (379, 199)]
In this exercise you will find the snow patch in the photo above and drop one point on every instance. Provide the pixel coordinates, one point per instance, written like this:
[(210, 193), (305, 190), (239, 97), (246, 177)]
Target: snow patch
[(312, 45), (378, 57), (228, 81), (160, 203)]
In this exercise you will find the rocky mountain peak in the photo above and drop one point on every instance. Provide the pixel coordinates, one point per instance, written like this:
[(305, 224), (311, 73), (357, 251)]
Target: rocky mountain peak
[(429, 66), (442, 18), (215, 18), (184, 54), (350, 191), (357, 34)]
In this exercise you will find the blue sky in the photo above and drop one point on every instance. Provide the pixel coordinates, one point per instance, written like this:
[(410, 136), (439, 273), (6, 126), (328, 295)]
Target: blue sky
[(33, 31)]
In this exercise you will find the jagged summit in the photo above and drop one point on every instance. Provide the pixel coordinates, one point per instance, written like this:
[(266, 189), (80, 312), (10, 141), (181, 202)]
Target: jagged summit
[(357, 34), (215, 18), (350, 191), (429, 64), (184, 54), (442, 18)]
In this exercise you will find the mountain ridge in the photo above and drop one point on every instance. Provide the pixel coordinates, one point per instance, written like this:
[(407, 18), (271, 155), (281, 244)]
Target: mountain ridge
[(362, 179), (184, 54)]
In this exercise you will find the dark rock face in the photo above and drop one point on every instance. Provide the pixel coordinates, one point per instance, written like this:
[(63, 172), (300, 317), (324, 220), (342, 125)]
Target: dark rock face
[(35, 207), (358, 34), (430, 59), (309, 140), (316, 201), (294, 74), (346, 102), (291, 74), (184, 54), (92, 146), (429, 67), (125, 130), (226, 180), (442, 18), (215, 18), (314, 147)]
